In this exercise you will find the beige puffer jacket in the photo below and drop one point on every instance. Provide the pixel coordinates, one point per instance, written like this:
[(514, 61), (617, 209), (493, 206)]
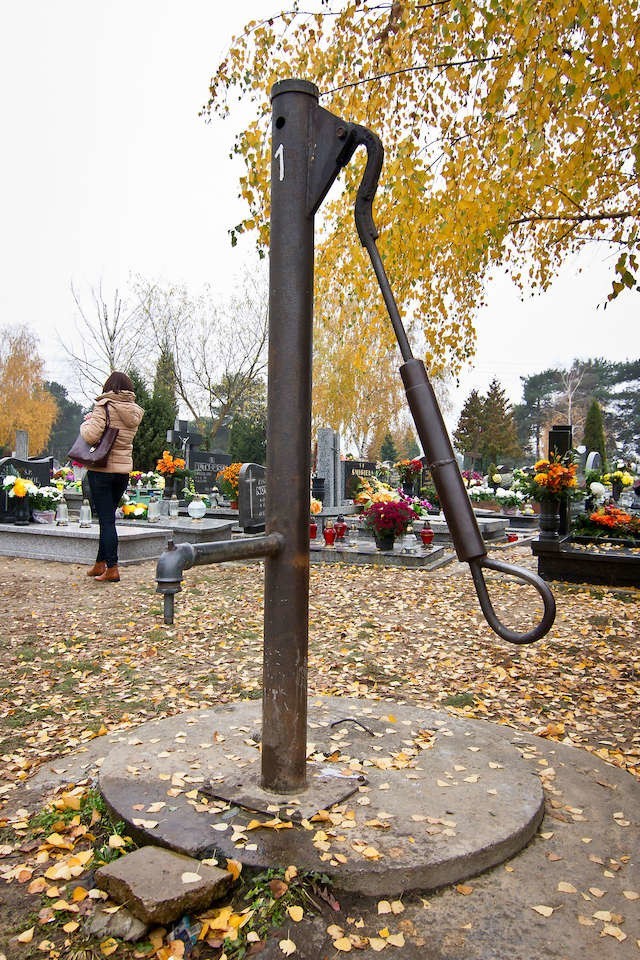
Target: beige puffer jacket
[(125, 414)]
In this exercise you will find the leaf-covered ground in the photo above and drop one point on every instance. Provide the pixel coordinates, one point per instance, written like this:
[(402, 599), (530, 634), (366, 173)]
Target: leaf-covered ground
[(79, 659)]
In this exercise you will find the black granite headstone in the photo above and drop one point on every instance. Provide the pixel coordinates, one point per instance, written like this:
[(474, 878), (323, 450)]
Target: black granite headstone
[(252, 496), (206, 465), (38, 471), (354, 469)]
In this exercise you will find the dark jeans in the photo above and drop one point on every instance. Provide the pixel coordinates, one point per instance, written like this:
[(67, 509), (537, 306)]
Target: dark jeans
[(107, 490)]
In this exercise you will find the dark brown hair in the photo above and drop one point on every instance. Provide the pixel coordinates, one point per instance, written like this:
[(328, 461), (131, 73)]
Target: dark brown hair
[(117, 382)]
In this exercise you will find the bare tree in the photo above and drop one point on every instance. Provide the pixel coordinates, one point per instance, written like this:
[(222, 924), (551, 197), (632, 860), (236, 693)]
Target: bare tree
[(107, 339), (218, 348)]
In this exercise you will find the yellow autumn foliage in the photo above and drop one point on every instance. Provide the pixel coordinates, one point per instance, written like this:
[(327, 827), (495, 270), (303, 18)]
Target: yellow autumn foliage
[(26, 404), (511, 141)]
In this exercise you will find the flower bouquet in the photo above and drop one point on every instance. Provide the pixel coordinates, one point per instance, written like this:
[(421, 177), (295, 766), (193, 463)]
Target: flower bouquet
[(228, 481), (15, 486), (373, 490), (170, 466), (134, 511), (171, 469), (20, 492), (387, 520), (408, 470), (553, 478), (608, 521)]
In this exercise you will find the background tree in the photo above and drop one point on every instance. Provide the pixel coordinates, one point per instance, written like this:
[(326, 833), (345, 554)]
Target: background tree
[(143, 440), (106, 338), (65, 427), (594, 437), (511, 137), (565, 395), (218, 349), (468, 434), (347, 395), (623, 409), (248, 432), (26, 402), (388, 451), (499, 439), (534, 415)]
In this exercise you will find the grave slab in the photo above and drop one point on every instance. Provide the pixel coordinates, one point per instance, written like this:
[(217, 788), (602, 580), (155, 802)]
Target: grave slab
[(70, 544), (137, 540), (363, 553)]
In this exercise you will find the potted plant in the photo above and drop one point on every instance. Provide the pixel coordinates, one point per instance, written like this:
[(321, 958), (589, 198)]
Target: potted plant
[(408, 471), (190, 493), (19, 491), (228, 481), (387, 520), (553, 481), (44, 502), (171, 468)]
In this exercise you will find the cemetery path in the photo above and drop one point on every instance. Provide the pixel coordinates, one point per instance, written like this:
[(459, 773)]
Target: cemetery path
[(79, 660)]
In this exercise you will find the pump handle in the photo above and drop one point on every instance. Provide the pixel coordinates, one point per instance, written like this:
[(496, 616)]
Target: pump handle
[(430, 425)]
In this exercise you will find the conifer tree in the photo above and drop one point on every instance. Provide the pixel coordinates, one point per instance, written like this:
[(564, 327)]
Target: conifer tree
[(594, 437), (499, 439), (468, 433)]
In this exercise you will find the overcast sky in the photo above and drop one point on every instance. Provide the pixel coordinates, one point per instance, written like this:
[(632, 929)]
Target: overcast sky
[(107, 170)]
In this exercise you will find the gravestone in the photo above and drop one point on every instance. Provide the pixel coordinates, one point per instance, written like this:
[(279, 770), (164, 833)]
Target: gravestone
[(352, 469), (252, 496), (185, 439), (38, 471), (594, 462), (560, 439), (22, 444), (206, 465), (328, 466)]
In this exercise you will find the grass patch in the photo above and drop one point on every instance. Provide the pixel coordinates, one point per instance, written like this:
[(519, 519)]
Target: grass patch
[(460, 700)]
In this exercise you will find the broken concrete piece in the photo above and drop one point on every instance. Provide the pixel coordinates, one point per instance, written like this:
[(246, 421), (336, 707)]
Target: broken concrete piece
[(158, 885), (121, 924)]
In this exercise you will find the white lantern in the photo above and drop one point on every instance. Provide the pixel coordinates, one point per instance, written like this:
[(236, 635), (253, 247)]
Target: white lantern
[(197, 508), (173, 507), (62, 514), (153, 510), (85, 514)]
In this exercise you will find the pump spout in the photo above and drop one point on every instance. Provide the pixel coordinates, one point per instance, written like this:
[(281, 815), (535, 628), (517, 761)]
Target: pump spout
[(175, 559)]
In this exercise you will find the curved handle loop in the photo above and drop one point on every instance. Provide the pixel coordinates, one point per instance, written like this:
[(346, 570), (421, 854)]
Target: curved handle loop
[(520, 573)]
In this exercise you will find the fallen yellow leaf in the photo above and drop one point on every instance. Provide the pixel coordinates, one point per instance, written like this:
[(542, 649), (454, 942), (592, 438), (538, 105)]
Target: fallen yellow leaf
[(287, 947), (26, 936), (296, 913), (396, 939), (543, 910), (344, 945)]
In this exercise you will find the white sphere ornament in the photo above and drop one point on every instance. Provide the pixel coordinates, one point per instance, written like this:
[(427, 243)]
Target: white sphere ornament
[(196, 509)]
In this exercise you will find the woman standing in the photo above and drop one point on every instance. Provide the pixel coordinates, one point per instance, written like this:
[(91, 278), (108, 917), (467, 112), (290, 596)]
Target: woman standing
[(108, 483)]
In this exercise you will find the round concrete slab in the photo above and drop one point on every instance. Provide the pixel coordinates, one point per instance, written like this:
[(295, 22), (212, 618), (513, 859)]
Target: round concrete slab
[(434, 799)]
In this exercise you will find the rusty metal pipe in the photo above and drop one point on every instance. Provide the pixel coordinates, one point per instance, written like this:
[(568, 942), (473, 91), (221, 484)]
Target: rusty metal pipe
[(286, 611)]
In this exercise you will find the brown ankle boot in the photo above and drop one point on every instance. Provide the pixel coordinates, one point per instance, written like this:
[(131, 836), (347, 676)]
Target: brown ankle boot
[(98, 568), (110, 575)]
